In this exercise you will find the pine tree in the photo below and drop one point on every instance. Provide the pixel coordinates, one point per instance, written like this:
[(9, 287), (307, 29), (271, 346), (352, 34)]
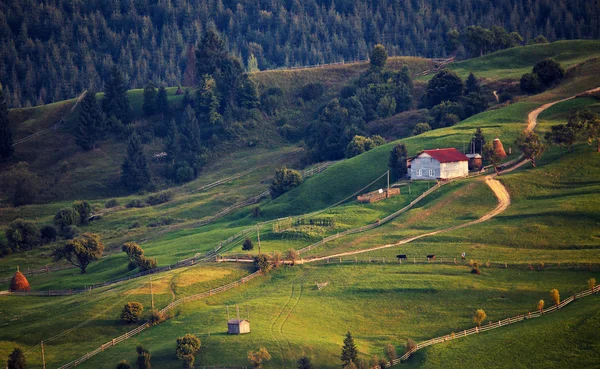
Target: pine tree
[(173, 148), (397, 161), (16, 360), (191, 144), (252, 66), (135, 173), (150, 101), (210, 53), (472, 84), (6, 140), (91, 126), (378, 56), (162, 102), (349, 351), (190, 75), (115, 101), (304, 363), (248, 95), (207, 106)]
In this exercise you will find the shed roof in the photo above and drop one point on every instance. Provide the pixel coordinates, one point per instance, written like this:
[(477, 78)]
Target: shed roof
[(446, 155), (236, 321)]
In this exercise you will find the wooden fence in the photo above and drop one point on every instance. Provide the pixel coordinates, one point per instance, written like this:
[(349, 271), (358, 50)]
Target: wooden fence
[(490, 326), (164, 310)]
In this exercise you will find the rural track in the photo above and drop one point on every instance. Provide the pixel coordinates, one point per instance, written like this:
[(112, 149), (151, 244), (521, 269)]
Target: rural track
[(282, 354), (290, 313)]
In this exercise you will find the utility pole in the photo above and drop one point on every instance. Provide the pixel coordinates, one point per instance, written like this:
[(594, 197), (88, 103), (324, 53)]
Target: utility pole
[(151, 294), (227, 312), (43, 358), (258, 235), (388, 184)]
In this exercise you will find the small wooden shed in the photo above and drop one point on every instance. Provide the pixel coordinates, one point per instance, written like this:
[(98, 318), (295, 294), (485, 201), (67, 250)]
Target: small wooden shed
[(475, 161), (238, 326)]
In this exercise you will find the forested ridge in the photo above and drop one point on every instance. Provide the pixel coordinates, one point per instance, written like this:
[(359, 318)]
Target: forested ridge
[(50, 50)]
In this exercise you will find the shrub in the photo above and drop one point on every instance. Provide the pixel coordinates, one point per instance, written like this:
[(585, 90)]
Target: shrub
[(184, 174), (16, 360), (285, 180), (156, 317), (64, 218), (276, 258), (479, 316), (247, 245), (22, 235), (135, 224), (256, 212), (261, 262), (159, 198), (312, 91), (390, 352), (421, 128), (555, 296), (548, 72), (131, 312), (530, 83), (410, 344), (292, 255), (258, 357), (591, 283), (48, 234), (187, 347), (111, 204), (123, 365), (83, 210), (540, 305), (504, 97), (305, 363), (136, 203)]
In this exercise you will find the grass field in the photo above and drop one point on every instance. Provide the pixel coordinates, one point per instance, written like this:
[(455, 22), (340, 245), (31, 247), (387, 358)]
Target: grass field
[(553, 219)]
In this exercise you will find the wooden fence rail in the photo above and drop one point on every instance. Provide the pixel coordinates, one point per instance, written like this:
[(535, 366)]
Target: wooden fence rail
[(490, 326), (164, 310)]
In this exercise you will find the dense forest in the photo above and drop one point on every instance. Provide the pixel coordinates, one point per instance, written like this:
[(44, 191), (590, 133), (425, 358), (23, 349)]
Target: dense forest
[(53, 49)]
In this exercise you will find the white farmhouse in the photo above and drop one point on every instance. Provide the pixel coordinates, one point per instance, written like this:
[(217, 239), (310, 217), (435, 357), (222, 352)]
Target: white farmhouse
[(439, 164)]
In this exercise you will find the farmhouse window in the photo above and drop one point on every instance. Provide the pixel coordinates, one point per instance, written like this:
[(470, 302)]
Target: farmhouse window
[(431, 172), (419, 172)]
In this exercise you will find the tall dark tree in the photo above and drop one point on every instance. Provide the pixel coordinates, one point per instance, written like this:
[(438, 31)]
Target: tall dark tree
[(135, 172), (397, 161), (115, 101), (207, 107), (305, 363), (446, 85), (173, 148), (91, 125), (378, 57), (6, 139), (16, 360), (190, 77), (143, 360), (162, 102), (150, 101), (349, 351), (477, 141), (248, 95), (229, 80), (210, 53), (191, 143), (548, 72), (472, 84)]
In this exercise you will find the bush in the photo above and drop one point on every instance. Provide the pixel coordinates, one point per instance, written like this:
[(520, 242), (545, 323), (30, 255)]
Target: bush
[(48, 234), (136, 203), (135, 224), (247, 245), (530, 83), (390, 352), (261, 262), (284, 180), (256, 212), (64, 218), (156, 317), (123, 365), (159, 198), (504, 97), (555, 296), (22, 235), (83, 210), (70, 232), (312, 91), (131, 312), (548, 72), (421, 128), (410, 344), (111, 204), (292, 255)]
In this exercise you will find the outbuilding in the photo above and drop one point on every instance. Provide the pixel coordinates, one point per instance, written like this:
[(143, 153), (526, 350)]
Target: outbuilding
[(238, 326), (439, 164)]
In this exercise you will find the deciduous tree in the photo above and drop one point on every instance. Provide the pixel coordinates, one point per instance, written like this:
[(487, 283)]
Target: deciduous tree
[(132, 311), (187, 347), (257, 358), (378, 57), (285, 180), (491, 155), (479, 316), (247, 245), (446, 85), (81, 251), (143, 360), (397, 161), (16, 360), (530, 145), (555, 296)]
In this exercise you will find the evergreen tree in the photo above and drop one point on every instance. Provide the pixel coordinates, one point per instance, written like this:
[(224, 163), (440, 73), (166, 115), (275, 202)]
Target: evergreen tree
[(252, 66), (190, 76), (248, 96), (210, 53), (150, 102), (349, 351), (91, 125), (477, 141), (472, 84), (207, 107), (446, 85), (229, 80), (115, 101), (397, 161), (191, 143), (305, 363), (6, 140), (378, 57), (16, 360), (135, 173), (173, 148), (162, 102)]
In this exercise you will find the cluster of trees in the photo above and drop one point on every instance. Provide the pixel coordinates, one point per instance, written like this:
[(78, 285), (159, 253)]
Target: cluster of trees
[(478, 40), (51, 50), (544, 75), (136, 257), (451, 100), (582, 125), (360, 144), (377, 93), (284, 180)]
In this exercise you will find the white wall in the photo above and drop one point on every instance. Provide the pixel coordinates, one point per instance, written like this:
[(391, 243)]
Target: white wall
[(454, 170)]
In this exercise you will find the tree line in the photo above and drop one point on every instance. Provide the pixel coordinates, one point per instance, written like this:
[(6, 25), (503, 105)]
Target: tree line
[(53, 49)]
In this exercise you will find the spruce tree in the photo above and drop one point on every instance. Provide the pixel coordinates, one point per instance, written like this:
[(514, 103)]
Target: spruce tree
[(150, 101), (248, 95), (135, 173), (91, 125), (115, 101), (16, 360), (397, 161), (378, 57), (211, 51), (472, 84), (207, 107), (349, 351), (162, 103), (173, 148), (6, 140), (191, 144)]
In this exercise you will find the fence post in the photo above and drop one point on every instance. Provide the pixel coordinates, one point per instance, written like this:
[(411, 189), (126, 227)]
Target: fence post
[(414, 260)]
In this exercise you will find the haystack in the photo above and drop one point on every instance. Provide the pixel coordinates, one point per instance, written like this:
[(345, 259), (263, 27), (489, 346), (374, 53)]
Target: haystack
[(499, 148), (19, 283)]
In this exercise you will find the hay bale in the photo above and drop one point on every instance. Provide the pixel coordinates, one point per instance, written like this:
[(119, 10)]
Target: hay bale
[(19, 283), (499, 148)]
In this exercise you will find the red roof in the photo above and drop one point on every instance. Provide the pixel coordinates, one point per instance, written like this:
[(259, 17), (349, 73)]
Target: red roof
[(446, 155)]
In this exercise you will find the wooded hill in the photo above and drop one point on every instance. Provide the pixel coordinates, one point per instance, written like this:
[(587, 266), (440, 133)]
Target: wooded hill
[(52, 50)]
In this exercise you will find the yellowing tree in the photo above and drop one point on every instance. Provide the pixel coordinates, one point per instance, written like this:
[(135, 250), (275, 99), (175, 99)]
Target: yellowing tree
[(555, 296), (479, 316), (540, 305)]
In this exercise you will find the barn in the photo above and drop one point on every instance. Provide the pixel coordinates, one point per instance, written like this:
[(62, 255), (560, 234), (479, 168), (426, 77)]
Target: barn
[(238, 326), (439, 164)]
